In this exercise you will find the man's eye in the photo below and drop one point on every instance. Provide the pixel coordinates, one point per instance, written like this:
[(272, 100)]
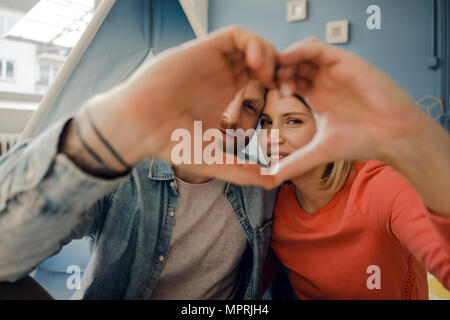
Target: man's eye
[(250, 107)]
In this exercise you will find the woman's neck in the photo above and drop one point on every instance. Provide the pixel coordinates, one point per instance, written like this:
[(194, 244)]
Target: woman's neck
[(310, 194)]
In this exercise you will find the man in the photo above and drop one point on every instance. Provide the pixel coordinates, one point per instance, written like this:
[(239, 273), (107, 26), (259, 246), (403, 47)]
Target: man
[(155, 233), (165, 233)]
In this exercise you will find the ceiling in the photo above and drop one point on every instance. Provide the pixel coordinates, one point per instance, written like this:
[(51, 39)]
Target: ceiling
[(18, 5)]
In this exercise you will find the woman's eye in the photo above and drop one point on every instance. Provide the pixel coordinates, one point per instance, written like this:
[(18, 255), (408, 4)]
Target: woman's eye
[(265, 123), (294, 121)]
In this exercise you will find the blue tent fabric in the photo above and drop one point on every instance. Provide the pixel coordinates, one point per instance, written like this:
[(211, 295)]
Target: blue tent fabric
[(131, 32)]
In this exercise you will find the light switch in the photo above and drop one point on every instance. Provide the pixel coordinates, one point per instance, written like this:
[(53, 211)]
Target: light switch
[(296, 10), (337, 31)]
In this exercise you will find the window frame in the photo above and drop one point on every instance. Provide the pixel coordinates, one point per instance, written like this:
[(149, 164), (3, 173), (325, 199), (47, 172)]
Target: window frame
[(3, 71)]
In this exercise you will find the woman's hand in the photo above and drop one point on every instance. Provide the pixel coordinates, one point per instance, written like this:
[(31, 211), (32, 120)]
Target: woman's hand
[(363, 114)]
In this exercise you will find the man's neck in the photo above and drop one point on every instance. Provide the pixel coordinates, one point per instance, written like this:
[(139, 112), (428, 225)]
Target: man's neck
[(189, 177)]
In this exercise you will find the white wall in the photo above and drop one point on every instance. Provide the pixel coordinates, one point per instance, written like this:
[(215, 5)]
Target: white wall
[(24, 57), (15, 110), (14, 121)]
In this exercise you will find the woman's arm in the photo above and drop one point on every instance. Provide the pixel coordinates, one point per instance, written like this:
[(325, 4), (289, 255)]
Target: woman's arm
[(396, 207), (424, 159), (409, 222)]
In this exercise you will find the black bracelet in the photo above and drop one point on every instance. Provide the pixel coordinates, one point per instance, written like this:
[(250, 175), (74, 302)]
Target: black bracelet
[(86, 147), (106, 144)]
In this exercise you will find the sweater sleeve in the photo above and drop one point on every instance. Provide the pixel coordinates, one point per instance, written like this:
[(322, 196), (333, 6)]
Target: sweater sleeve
[(424, 234), (442, 226)]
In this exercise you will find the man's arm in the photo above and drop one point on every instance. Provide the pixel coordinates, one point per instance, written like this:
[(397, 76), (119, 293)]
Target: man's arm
[(47, 187), (45, 202)]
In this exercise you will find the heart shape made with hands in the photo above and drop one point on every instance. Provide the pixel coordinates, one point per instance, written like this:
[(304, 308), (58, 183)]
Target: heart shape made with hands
[(360, 112)]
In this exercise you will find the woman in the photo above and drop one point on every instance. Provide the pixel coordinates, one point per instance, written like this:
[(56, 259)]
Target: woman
[(349, 230)]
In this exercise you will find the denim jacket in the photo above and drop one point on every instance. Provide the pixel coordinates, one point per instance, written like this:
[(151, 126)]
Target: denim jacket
[(46, 201)]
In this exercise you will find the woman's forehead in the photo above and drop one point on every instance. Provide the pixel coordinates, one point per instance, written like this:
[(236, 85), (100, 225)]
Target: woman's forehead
[(277, 105)]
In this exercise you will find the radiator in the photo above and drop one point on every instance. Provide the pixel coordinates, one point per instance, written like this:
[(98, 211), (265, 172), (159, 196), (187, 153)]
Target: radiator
[(7, 141)]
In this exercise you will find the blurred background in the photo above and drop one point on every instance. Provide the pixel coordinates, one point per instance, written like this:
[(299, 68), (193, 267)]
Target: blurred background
[(408, 39)]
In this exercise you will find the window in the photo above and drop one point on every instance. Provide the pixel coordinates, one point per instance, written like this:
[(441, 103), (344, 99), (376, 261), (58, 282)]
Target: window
[(6, 24), (37, 37), (55, 72), (2, 26), (7, 70), (44, 75), (10, 23), (59, 23), (47, 74)]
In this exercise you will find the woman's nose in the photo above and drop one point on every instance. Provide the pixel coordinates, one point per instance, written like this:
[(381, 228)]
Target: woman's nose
[(275, 136)]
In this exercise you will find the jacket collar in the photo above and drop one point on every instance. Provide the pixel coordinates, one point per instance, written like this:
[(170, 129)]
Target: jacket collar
[(160, 170)]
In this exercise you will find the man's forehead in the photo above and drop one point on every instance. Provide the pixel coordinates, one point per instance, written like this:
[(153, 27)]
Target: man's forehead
[(254, 90)]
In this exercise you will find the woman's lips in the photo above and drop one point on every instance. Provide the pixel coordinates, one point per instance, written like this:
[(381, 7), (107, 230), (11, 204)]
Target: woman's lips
[(279, 155), (275, 158)]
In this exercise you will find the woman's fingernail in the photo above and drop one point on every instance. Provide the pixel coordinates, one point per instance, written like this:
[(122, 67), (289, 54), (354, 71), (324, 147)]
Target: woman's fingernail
[(285, 90)]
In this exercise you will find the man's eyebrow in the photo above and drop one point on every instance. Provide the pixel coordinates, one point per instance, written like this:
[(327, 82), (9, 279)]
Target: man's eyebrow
[(254, 100)]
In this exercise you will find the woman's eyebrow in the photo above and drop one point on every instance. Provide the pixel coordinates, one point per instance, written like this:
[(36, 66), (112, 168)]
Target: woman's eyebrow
[(294, 113), (286, 114)]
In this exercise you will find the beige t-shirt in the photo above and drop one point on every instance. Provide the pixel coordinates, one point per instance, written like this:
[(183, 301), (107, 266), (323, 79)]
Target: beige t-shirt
[(206, 247)]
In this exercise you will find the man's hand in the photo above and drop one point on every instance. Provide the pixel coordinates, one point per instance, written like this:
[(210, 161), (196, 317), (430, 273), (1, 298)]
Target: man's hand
[(194, 81), (363, 114)]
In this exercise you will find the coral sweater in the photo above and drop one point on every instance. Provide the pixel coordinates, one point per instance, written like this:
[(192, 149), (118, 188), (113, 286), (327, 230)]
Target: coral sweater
[(373, 240)]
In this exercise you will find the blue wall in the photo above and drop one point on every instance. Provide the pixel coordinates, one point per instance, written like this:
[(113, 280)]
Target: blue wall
[(400, 48)]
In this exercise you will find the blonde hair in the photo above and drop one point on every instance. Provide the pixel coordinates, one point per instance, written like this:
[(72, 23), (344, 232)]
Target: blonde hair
[(336, 174)]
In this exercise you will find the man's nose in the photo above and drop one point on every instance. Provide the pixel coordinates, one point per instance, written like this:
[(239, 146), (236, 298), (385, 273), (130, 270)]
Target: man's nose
[(231, 114)]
